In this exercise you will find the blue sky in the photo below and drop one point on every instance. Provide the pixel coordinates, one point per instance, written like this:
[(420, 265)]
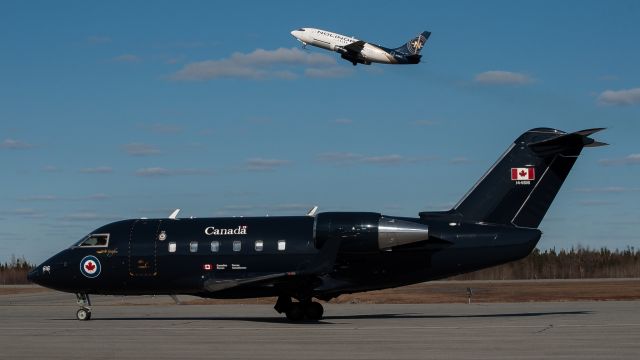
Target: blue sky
[(131, 109)]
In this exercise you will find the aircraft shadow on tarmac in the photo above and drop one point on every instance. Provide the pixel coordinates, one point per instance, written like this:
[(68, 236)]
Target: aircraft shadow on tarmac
[(327, 319)]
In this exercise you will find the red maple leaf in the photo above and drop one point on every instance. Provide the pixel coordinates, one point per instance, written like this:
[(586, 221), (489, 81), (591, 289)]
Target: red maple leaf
[(523, 173), (90, 266)]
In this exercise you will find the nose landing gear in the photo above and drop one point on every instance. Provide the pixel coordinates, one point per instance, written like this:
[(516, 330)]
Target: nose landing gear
[(84, 313)]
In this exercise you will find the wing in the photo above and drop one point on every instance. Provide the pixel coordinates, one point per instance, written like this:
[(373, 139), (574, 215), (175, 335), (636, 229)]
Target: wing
[(321, 264), (355, 47), (213, 285)]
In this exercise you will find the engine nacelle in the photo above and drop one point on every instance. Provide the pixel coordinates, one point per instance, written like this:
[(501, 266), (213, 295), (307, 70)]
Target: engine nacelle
[(366, 232), (354, 60)]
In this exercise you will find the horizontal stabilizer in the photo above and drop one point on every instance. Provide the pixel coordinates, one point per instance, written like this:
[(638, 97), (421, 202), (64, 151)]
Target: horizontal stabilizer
[(566, 144)]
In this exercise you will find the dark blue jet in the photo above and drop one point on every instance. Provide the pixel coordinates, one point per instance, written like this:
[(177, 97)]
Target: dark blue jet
[(298, 258)]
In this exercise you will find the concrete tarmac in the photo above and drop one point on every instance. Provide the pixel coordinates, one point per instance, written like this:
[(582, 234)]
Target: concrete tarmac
[(43, 326)]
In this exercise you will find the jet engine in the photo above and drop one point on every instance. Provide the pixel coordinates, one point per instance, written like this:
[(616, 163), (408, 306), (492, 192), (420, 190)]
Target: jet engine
[(366, 232), (354, 59)]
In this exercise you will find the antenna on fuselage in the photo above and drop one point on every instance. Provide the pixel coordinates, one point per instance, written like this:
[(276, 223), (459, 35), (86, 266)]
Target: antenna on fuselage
[(174, 214)]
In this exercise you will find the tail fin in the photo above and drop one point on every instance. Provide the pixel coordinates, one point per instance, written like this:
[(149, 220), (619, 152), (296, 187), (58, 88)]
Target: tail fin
[(519, 188), (415, 45)]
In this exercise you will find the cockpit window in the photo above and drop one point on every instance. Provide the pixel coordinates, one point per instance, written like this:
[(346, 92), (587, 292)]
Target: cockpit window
[(301, 29), (95, 240)]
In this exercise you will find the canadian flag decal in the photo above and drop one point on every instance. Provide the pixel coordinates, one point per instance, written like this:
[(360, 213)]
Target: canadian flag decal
[(518, 174)]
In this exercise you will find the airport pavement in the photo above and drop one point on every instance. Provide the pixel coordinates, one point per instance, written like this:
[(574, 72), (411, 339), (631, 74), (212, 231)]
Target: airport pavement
[(43, 326)]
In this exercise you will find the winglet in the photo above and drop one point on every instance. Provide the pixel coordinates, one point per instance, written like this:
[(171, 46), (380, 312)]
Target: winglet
[(174, 214), (313, 211)]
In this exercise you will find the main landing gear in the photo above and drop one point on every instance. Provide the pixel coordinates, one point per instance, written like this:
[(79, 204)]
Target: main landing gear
[(84, 313), (301, 310)]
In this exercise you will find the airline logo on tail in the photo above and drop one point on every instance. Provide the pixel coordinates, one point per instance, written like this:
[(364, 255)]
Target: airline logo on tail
[(523, 176), (416, 44)]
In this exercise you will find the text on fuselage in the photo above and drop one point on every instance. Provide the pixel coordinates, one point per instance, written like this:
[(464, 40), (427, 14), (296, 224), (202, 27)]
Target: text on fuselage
[(212, 230)]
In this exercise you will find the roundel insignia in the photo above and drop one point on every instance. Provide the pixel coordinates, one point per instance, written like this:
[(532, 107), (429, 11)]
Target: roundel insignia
[(162, 236), (90, 266)]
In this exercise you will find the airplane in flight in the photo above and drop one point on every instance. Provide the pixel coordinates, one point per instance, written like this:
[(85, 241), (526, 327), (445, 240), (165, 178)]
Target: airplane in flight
[(323, 255), (362, 52)]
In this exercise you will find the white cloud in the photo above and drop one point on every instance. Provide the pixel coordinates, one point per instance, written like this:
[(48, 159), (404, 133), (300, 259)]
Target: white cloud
[(384, 159), (595, 202), (460, 160), (97, 170), (14, 144), (25, 212), (264, 209), (258, 64), (153, 171), (347, 158), (340, 158), (97, 196), (631, 159), (620, 97), (140, 149), (127, 58), (161, 172), (163, 128), (51, 198), (608, 189), (260, 164), (87, 216), (498, 77), (40, 198), (51, 169)]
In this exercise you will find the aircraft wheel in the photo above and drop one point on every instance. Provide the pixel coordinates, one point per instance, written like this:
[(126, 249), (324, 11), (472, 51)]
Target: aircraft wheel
[(83, 314), (295, 312), (314, 311)]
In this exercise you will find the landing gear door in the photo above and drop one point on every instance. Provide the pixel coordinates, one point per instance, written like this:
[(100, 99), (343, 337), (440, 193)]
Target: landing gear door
[(143, 246)]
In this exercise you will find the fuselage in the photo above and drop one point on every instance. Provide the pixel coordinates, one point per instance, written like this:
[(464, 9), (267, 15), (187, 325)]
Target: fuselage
[(165, 256), (370, 53)]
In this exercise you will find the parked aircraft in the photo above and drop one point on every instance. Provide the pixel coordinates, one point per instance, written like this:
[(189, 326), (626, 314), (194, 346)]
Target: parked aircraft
[(324, 255)]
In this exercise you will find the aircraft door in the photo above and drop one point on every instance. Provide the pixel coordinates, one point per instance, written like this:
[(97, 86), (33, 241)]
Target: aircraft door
[(143, 246)]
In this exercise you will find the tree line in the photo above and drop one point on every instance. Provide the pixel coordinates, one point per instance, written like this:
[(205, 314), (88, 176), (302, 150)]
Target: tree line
[(575, 263), (15, 271)]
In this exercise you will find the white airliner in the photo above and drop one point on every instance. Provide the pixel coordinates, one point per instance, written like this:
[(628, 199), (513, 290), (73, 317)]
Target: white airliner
[(362, 52)]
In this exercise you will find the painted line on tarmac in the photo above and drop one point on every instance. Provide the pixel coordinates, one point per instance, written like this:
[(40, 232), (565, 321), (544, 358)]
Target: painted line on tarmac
[(320, 328)]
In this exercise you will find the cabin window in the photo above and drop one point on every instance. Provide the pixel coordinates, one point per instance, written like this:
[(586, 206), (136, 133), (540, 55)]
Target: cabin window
[(95, 240), (259, 245), (193, 246), (172, 247), (215, 246), (237, 245), (282, 245)]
